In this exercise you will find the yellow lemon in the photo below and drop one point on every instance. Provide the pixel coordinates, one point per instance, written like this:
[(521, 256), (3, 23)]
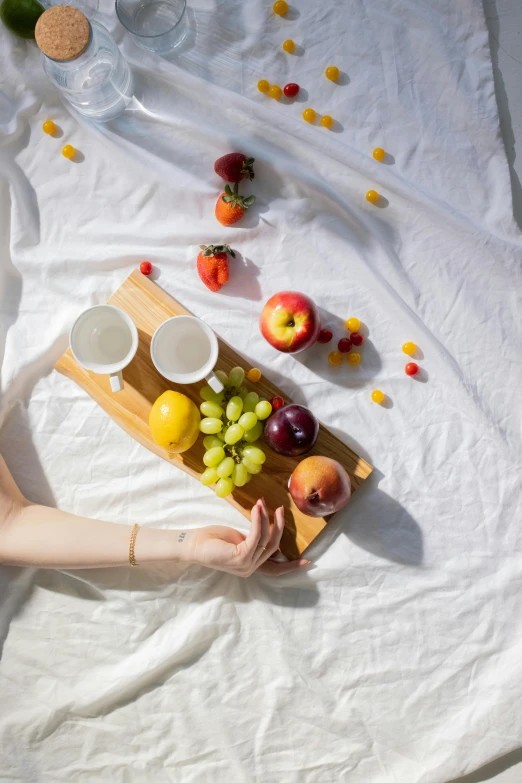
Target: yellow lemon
[(174, 422)]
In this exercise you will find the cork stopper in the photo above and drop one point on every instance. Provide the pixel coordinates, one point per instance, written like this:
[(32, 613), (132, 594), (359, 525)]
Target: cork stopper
[(62, 33)]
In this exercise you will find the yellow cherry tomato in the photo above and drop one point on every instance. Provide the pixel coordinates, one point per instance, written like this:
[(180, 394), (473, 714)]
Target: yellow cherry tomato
[(353, 324), (309, 115), (332, 73), (49, 127), (263, 85), (280, 7), (372, 196), (409, 348), (289, 46), (326, 121), (275, 91), (335, 358), (254, 375), (68, 151), (378, 396), (353, 358), (379, 154)]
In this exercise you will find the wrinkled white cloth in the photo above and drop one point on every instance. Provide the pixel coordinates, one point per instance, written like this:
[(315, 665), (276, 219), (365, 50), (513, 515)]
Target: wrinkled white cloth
[(398, 657)]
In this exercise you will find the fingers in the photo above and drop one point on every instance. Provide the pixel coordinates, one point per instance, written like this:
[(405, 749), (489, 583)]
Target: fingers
[(265, 524), (274, 539), (271, 568), (262, 543), (254, 534)]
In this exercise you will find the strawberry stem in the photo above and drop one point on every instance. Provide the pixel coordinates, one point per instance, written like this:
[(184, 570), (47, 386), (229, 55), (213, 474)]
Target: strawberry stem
[(233, 198)]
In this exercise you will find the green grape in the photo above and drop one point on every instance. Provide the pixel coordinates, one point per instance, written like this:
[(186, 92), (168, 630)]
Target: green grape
[(210, 426), (208, 394), (213, 457), (242, 392), (249, 478), (211, 441), (240, 475), (225, 467), (233, 434), (250, 402), (253, 434), (223, 377), (234, 408), (263, 410), (253, 454), (236, 376), (248, 420), (224, 487), (221, 436), (251, 466), (209, 476), (211, 409)]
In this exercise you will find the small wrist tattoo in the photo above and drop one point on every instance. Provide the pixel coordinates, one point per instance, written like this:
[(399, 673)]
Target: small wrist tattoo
[(181, 537)]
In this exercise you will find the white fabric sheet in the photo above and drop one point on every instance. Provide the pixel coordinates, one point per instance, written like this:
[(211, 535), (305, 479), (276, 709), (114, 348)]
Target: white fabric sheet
[(398, 657)]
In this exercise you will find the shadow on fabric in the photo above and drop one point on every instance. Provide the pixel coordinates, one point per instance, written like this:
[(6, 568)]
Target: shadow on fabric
[(491, 12), (492, 769), (376, 523)]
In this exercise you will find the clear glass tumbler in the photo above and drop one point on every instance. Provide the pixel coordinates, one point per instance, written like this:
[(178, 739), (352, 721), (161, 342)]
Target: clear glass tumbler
[(157, 25)]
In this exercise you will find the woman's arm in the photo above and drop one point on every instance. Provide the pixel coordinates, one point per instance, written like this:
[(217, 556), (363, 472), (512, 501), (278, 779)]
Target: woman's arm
[(32, 535), (46, 537)]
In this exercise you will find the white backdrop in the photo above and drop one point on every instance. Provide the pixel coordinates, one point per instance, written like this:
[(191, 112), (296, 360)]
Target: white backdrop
[(397, 658)]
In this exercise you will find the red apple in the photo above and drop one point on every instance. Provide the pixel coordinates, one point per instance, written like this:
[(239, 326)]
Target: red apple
[(290, 322), (319, 486)]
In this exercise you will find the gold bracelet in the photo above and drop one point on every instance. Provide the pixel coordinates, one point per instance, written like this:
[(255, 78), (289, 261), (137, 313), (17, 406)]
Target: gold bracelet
[(132, 559)]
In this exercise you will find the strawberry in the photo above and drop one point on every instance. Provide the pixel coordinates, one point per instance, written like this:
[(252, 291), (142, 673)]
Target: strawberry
[(213, 265), (234, 167), (231, 206)]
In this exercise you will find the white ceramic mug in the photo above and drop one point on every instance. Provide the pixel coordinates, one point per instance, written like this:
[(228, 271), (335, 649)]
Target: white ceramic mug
[(185, 350), (104, 340)]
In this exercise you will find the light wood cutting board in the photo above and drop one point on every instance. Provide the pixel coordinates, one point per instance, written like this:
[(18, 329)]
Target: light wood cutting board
[(148, 305)]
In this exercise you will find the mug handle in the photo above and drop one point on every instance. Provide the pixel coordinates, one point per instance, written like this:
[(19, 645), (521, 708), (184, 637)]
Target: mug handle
[(116, 379), (214, 383)]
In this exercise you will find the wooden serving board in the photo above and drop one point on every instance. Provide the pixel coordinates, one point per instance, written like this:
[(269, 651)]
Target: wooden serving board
[(148, 305)]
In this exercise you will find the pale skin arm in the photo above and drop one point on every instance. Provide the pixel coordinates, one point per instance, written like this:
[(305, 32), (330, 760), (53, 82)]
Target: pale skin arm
[(33, 535)]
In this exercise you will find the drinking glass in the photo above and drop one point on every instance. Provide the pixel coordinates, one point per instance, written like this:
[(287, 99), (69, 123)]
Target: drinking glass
[(157, 25)]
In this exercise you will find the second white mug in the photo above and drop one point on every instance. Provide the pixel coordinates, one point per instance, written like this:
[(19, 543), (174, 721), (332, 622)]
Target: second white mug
[(104, 340), (185, 350)]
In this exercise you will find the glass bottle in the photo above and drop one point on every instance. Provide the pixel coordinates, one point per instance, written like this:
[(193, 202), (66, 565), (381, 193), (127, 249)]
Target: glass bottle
[(83, 61), (88, 7)]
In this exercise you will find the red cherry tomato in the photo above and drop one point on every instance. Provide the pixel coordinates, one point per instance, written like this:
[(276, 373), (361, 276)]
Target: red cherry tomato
[(356, 338), (145, 267), (291, 90), (325, 335), (345, 345), (276, 403), (411, 368)]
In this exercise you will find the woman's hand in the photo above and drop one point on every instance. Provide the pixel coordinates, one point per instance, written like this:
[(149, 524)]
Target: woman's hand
[(226, 549)]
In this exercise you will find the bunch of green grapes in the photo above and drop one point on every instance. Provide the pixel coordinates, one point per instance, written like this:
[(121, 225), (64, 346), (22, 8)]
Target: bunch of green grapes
[(232, 425)]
